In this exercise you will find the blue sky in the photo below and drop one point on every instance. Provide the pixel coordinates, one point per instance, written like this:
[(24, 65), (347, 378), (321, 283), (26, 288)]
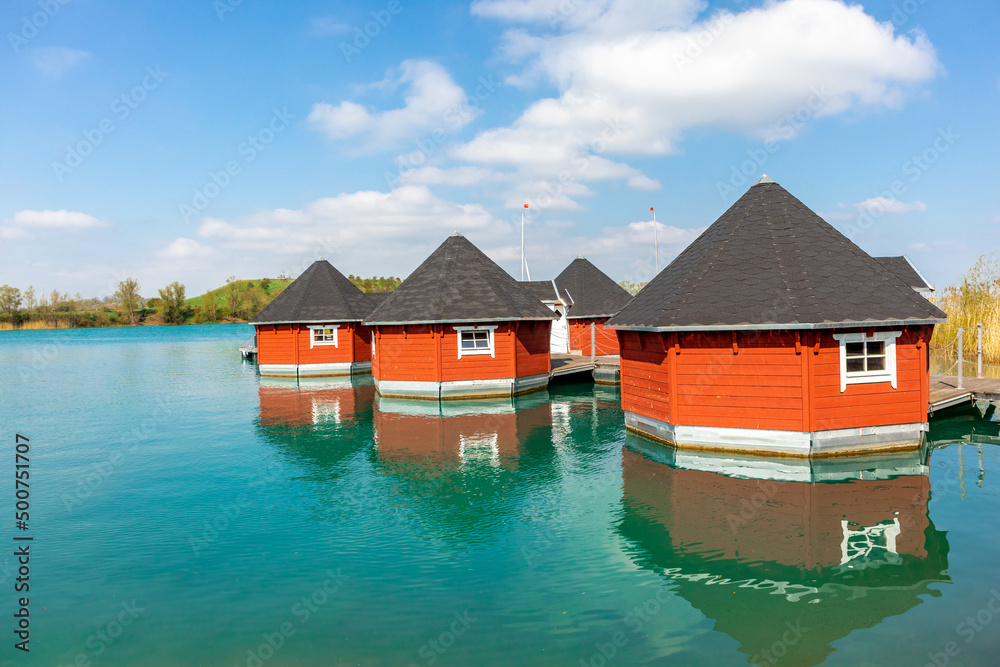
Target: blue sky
[(199, 139)]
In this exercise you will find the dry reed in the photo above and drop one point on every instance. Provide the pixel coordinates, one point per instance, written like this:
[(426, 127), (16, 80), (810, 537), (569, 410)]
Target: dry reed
[(976, 300)]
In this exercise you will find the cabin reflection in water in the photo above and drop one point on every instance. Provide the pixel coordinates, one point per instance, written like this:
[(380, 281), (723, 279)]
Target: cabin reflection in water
[(291, 402), (490, 432), (784, 567)]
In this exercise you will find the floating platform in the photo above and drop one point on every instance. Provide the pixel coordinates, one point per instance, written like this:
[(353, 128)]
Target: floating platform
[(946, 393), (604, 369)]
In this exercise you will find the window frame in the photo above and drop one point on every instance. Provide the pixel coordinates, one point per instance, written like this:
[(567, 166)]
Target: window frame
[(490, 338), (887, 374), (313, 328)]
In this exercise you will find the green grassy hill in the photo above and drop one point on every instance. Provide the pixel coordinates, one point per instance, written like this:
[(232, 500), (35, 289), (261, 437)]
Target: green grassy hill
[(274, 287)]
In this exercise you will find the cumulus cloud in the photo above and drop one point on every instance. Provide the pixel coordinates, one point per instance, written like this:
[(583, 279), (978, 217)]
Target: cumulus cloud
[(634, 76), (57, 60), (890, 205), (184, 248), (433, 103), (62, 219), (367, 230)]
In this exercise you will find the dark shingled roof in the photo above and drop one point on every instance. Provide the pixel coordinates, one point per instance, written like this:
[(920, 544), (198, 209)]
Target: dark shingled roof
[(377, 298), (908, 273), (543, 290), (593, 293), (770, 262), (458, 283), (320, 294)]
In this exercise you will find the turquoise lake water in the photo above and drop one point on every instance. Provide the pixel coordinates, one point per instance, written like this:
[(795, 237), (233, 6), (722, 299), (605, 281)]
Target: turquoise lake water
[(185, 512)]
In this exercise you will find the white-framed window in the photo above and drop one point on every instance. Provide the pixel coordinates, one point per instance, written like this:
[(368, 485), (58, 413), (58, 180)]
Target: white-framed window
[(323, 334), (865, 358), (476, 340)]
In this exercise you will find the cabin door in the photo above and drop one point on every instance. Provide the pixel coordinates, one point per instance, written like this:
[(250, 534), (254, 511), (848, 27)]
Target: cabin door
[(559, 338)]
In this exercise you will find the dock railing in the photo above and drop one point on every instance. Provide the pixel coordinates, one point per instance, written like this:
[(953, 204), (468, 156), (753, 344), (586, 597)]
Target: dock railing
[(959, 343)]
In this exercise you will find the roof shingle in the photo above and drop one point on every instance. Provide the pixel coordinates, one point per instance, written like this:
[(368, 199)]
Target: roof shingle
[(320, 294), (771, 262), (459, 283), (592, 292), (904, 268)]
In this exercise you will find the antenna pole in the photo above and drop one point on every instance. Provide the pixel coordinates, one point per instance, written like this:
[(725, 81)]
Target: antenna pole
[(656, 245), (524, 262)]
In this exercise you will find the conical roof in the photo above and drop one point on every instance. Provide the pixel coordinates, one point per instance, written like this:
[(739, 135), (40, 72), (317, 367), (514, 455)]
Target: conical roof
[(592, 292), (321, 294), (771, 263), (458, 283)]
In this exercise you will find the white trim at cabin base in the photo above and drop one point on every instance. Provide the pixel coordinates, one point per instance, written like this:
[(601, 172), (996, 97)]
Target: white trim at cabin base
[(461, 388), (765, 442), (315, 370), (878, 465)]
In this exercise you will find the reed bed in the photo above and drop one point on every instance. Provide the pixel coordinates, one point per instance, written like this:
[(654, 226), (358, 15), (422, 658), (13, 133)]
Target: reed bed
[(975, 300), (60, 324)]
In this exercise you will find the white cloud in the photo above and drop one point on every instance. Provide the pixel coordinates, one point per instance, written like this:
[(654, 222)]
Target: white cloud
[(880, 205), (603, 15), (361, 231), (634, 76), (458, 176), (947, 244), (433, 103), (57, 60), (183, 248), (62, 219), (324, 26), (13, 234)]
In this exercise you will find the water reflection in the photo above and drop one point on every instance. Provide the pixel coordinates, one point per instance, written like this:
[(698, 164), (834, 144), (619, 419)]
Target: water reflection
[(322, 422), (784, 567), (461, 469)]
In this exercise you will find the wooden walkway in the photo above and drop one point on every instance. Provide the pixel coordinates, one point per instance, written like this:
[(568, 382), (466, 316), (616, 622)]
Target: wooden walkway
[(603, 369), (945, 392)]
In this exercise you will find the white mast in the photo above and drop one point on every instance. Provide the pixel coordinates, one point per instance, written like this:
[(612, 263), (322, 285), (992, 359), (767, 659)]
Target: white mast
[(524, 262), (656, 246)]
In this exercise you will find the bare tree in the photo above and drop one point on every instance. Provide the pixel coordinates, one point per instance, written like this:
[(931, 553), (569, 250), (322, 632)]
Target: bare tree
[(30, 302), (128, 298)]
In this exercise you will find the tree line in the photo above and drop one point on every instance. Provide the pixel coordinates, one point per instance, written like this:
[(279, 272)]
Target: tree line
[(236, 301)]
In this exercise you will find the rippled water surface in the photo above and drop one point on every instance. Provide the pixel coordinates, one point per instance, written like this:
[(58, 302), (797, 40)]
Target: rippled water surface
[(187, 512)]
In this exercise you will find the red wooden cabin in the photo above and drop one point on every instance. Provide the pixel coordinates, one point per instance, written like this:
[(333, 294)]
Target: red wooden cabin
[(460, 327), (314, 327), (773, 333), (594, 299)]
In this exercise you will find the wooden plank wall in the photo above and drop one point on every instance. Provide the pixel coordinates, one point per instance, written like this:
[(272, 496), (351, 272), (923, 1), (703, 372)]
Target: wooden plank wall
[(757, 385), (874, 404), (579, 336), (276, 343), (645, 381), (326, 354), (786, 381), (532, 348), (406, 353)]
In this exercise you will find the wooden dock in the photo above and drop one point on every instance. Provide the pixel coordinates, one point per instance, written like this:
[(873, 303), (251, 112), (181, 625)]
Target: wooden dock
[(602, 369), (945, 391)]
